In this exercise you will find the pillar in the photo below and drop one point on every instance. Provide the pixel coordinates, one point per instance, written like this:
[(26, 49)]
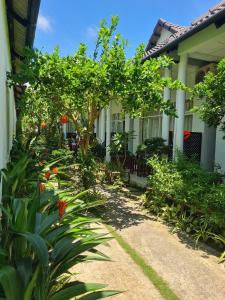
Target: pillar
[(178, 138), (64, 130), (136, 140), (102, 126), (166, 118), (208, 147), (108, 131), (129, 127)]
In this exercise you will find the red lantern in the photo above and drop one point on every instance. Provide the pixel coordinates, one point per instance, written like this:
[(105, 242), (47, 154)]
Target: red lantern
[(43, 125), (187, 134), (64, 119)]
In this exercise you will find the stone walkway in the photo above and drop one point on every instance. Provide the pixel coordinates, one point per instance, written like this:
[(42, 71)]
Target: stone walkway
[(192, 274)]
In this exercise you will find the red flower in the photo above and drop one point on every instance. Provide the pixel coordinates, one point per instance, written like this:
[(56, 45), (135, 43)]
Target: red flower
[(64, 119), (54, 170), (62, 205), (187, 134), (47, 175), (43, 125), (42, 187)]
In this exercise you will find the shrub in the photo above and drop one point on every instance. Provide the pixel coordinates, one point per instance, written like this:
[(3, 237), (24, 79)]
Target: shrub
[(153, 146), (98, 150), (45, 232), (187, 196)]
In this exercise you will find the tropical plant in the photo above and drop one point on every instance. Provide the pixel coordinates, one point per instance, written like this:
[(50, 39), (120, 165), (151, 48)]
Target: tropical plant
[(45, 233), (119, 146)]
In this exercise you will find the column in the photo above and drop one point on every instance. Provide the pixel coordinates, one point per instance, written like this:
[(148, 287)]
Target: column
[(108, 131), (64, 130), (208, 147), (102, 126), (129, 128), (166, 118), (96, 128), (136, 140), (178, 138)]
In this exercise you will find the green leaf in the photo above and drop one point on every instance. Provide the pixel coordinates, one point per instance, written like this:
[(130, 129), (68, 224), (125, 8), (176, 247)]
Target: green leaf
[(10, 282), (99, 295), (38, 245), (76, 289)]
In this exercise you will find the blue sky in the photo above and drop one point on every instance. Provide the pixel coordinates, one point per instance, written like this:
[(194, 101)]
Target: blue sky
[(66, 23)]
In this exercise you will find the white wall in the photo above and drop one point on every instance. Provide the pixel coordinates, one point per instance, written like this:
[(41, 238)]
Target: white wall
[(7, 103), (220, 150), (116, 107)]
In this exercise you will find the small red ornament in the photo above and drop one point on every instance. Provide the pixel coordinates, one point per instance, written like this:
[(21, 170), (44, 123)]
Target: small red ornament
[(43, 125), (62, 205), (47, 175), (42, 187), (187, 134), (64, 119), (54, 170)]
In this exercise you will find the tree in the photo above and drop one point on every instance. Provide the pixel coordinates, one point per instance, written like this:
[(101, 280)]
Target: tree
[(212, 91), (80, 86)]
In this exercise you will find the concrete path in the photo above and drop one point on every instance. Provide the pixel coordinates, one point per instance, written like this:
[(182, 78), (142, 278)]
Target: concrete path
[(191, 274)]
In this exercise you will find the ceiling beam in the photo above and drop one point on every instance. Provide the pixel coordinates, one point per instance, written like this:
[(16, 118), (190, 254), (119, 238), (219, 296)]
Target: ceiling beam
[(18, 18), (204, 56)]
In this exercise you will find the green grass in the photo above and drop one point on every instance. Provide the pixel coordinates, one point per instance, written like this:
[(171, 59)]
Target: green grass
[(160, 284)]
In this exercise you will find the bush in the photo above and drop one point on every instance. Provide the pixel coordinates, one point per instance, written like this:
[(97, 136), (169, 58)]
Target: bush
[(98, 150), (187, 196), (153, 146), (45, 232)]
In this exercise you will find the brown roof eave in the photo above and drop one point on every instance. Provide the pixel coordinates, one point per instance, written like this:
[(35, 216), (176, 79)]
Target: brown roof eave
[(217, 18)]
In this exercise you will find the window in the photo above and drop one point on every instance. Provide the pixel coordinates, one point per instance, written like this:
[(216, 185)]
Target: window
[(151, 126), (118, 122), (188, 118)]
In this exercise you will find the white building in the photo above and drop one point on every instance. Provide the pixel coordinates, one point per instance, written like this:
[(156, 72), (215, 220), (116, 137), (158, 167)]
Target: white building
[(195, 49), (18, 20)]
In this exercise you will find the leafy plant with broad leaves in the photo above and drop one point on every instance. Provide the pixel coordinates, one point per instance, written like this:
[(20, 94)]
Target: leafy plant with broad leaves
[(41, 242)]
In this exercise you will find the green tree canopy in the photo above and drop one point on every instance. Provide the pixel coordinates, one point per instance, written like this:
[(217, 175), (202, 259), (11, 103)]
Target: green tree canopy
[(212, 91), (81, 85)]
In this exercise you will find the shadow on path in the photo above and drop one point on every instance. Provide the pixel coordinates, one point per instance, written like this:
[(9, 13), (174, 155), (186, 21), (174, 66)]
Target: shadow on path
[(121, 212)]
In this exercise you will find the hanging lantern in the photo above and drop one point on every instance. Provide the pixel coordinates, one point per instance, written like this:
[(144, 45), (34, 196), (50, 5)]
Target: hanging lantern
[(187, 134), (43, 125), (64, 119)]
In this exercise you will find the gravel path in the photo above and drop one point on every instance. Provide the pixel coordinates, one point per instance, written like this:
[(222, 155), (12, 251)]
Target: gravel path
[(192, 274)]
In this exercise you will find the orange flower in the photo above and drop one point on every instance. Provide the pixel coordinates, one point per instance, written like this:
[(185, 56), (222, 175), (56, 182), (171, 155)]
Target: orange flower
[(55, 170), (47, 175), (64, 119), (43, 125), (42, 187), (62, 205)]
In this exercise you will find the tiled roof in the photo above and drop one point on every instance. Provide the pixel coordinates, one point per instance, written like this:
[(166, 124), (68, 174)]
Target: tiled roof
[(184, 32), (172, 28)]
